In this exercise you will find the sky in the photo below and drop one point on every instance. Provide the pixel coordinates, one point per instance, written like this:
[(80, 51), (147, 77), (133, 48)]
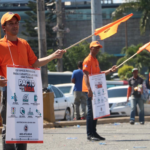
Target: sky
[(119, 1)]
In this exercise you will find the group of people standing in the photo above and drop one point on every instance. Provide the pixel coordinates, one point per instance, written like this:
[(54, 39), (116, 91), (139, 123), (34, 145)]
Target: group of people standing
[(16, 51), (83, 94)]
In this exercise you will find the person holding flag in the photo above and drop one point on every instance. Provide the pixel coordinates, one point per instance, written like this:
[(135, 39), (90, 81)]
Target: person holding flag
[(91, 67), (16, 51)]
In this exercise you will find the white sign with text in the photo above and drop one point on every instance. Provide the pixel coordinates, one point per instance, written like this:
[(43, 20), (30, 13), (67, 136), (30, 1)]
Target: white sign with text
[(24, 105), (100, 96)]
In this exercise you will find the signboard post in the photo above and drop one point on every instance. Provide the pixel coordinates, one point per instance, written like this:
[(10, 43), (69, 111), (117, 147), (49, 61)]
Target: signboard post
[(24, 105), (100, 96)]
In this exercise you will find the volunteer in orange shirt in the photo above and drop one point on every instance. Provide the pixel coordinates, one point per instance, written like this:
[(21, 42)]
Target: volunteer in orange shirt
[(16, 51), (91, 67)]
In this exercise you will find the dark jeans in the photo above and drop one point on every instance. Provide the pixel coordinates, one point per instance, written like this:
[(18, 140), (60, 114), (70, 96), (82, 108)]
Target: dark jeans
[(3, 115), (90, 123), (134, 102)]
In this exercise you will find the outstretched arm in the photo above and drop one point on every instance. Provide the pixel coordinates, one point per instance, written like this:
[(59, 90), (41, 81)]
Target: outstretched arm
[(43, 61), (113, 69)]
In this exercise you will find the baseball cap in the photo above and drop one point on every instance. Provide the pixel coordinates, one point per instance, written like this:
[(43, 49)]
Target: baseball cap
[(134, 69), (95, 44), (8, 16)]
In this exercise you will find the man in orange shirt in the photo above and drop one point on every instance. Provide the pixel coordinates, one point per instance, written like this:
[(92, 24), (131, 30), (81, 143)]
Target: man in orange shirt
[(16, 51), (91, 67)]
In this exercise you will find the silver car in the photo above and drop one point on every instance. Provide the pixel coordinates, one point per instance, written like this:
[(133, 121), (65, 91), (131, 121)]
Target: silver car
[(63, 107), (118, 105)]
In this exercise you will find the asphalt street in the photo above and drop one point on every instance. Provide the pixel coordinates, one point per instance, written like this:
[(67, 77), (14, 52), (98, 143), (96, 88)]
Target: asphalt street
[(119, 136)]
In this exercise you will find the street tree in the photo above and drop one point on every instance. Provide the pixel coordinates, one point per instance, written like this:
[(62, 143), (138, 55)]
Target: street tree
[(79, 53), (140, 61), (31, 23), (142, 6)]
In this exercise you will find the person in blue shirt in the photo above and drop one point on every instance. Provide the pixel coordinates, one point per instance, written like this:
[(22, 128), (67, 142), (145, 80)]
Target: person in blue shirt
[(79, 96)]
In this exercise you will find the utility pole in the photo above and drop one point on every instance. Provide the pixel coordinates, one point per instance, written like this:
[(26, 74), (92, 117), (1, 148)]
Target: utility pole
[(42, 39), (96, 19), (60, 32), (126, 35)]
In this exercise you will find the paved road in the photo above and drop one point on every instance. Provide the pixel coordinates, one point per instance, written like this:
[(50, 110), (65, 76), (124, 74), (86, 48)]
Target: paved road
[(118, 137)]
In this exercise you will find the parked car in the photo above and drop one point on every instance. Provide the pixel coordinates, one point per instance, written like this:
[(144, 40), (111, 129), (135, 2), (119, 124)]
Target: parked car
[(62, 105), (67, 89), (117, 97), (115, 76)]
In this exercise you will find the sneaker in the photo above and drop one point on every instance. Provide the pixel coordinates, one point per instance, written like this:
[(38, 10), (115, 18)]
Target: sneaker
[(98, 136), (89, 138), (93, 138), (82, 118), (74, 119), (142, 123), (132, 122)]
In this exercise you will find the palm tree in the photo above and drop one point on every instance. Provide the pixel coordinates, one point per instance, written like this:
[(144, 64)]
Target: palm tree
[(137, 5)]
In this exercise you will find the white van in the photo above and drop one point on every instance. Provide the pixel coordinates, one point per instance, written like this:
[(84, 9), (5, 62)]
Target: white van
[(59, 77)]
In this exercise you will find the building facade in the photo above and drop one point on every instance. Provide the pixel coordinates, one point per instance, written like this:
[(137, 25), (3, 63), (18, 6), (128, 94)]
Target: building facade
[(78, 20)]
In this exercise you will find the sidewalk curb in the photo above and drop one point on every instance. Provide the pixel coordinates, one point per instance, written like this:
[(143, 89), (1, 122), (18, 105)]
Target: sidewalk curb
[(100, 121), (83, 122)]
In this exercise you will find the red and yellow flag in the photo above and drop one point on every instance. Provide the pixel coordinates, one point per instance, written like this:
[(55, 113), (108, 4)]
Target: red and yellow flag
[(111, 29), (146, 46)]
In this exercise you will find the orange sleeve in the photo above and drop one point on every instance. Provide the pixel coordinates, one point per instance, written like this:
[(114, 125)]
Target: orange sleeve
[(129, 91), (87, 66), (31, 56)]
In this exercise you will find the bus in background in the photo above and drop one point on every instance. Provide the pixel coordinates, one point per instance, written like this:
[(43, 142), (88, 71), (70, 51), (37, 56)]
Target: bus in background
[(65, 77), (59, 77)]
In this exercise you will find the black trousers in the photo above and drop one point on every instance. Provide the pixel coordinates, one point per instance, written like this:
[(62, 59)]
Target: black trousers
[(3, 115), (90, 123)]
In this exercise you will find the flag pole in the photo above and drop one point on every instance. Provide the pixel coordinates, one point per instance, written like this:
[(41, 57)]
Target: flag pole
[(127, 60), (79, 42)]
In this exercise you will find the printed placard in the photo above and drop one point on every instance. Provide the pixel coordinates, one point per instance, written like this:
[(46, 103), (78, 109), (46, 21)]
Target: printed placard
[(100, 102), (24, 105)]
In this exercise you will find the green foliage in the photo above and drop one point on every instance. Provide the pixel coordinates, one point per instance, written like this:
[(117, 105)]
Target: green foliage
[(31, 23), (135, 61), (79, 53), (139, 61), (125, 72), (52, 64), (75, 54), (135, 6)]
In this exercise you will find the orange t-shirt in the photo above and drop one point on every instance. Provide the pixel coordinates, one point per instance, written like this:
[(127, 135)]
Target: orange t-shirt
[(22, 54), (91, 65)]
